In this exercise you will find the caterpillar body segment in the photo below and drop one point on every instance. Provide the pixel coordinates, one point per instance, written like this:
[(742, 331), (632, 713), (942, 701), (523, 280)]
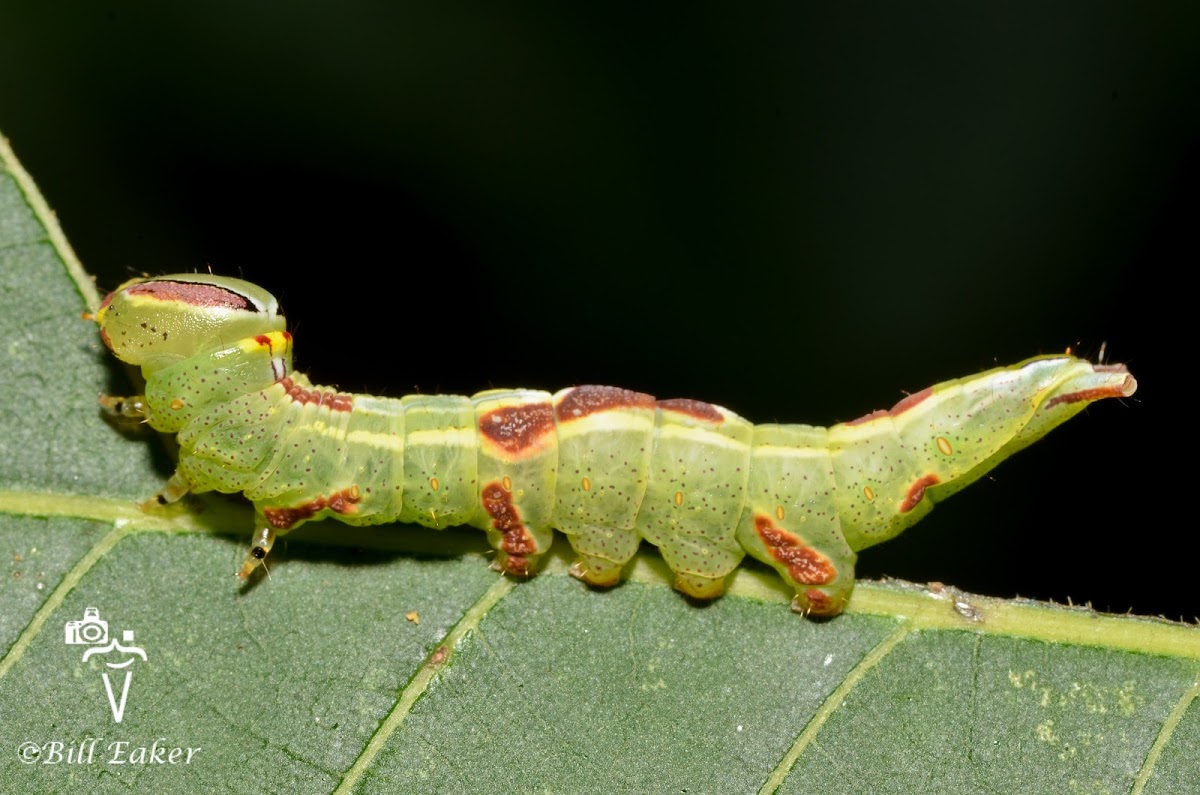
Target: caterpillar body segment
[(606, 466)]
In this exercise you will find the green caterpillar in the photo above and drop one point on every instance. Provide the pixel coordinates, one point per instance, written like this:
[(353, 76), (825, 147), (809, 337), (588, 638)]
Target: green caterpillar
[(607, 467)]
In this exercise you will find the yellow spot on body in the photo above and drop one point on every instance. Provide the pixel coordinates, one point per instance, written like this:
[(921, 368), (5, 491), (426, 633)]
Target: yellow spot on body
[(507, 483), (433, 483), (943, 444), (354, 492), (679, 498), (177, 403), (413, 617), (587, 484), (869, 493), (779, 512)]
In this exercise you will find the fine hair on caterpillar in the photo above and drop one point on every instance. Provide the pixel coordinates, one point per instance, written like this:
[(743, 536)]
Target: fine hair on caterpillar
[(607, 467)]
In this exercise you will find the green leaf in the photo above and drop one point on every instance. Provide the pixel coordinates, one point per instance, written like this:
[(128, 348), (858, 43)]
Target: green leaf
[(393, 660)]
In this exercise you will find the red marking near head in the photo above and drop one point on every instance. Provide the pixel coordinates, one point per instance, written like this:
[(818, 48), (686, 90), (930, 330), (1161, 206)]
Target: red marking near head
[(916, 492), (874, 415), (516, 428), (805, 564), (517, 542), (584, 400), (336, 401), (342, 502), (910, 401), (693, 408), (263, 340), (194, 294)]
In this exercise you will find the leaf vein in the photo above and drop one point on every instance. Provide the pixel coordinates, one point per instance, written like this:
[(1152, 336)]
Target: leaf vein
[(1164, 736), (421, 680), (56, 598), (832, 703)]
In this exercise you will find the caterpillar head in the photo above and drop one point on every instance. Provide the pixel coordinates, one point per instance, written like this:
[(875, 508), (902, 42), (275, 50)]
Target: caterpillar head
[(156, 322)]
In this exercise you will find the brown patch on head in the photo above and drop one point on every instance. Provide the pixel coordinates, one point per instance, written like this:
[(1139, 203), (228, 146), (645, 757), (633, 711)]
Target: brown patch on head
[(804, 564), (516, 428), (697, 409), (584, 400), (343, 502), (517, 542), (208, 295), (874, 415), (916, 492), (910, 401)]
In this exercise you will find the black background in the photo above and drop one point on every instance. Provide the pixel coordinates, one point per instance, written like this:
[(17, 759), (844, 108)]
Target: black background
[(793, 212)]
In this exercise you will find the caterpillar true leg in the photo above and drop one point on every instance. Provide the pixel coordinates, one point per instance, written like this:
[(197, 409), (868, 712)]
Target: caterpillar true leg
[(177, 487), (260, 545), (127, 408)]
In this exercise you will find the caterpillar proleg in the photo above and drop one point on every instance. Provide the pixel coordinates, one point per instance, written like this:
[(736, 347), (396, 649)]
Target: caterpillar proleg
[(607, 467)]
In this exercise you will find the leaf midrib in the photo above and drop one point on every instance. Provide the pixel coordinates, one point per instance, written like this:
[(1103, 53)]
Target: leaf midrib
[(922, 607)]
